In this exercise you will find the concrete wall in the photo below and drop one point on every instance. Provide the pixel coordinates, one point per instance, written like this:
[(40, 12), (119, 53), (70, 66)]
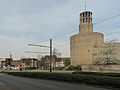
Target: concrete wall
[(84, 47), (106, 68)]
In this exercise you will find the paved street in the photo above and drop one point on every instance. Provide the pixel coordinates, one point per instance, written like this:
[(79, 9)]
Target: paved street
[(20, 83), (1, 68)]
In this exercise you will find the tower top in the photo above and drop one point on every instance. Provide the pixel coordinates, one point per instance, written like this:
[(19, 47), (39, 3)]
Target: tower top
[(85, 11), (86, 17), (86, 25)]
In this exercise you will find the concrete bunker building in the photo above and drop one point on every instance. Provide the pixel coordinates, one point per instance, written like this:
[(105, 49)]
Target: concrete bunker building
[(85, 45)]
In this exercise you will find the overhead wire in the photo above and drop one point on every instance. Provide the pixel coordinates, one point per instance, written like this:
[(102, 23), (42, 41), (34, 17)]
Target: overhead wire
[(74, 30), (52, 37), (107, 19), (104, 21)]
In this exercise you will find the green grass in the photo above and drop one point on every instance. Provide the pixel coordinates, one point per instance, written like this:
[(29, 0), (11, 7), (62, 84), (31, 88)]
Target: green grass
[(77, 78)]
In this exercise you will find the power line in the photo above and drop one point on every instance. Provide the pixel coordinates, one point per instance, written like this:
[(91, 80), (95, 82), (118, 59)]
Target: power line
[(91, 38), (77, 30), (37, 52), (73, 31), (94, 24), (111, 28), (113, 33), (107, 19)]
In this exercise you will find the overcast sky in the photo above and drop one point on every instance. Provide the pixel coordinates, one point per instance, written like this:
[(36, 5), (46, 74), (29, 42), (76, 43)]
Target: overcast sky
[(32, 21)]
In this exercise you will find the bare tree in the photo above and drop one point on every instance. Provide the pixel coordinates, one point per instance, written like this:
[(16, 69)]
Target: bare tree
[(109, 53), (56, 52)]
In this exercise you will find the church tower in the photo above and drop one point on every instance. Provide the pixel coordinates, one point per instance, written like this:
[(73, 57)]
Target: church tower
[(86, 25), (85, 45)]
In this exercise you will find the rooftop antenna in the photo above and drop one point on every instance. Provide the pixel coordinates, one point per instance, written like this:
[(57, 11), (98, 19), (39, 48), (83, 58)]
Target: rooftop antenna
[(85, 5)]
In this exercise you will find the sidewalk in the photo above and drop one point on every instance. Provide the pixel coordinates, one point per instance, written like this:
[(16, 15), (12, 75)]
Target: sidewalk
[(60, 71)]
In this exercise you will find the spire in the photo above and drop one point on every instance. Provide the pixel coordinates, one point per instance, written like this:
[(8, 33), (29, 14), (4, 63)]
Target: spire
[(85, 5)]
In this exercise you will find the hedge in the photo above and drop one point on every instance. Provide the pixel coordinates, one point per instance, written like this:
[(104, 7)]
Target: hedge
[(77, 78), (98, 73), (59, 68)]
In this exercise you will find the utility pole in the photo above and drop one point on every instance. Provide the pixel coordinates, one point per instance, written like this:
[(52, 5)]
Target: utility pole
[(50, 55), (44, 52), (10, 60)]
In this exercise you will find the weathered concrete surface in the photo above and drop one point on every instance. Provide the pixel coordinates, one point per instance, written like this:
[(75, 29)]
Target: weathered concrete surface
[(104, 68)]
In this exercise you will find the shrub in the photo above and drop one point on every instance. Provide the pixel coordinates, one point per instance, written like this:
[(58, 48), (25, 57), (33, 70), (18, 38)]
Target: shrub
[(43, 68), (31, 68), (70, 67), (59, 68), (66, 62), (98, 73)]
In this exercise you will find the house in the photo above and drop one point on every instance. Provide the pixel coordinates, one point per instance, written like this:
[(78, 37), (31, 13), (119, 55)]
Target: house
[(29, 62), (2, 62), (60, 61), (55, 62)]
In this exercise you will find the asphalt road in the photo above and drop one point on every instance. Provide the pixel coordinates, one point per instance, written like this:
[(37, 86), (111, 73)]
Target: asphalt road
[(20, 83)]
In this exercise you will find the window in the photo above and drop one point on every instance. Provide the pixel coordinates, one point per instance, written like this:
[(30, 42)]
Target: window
[(86, 19), (89, 20), (89, 14), (83, 15), (86, 14), (83, 20), (80, 16)]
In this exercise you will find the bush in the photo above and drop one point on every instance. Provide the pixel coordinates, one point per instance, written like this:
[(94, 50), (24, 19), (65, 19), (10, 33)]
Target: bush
[(70, 67), (78, 78), (59, 68), (98, 74), (43, 68), (2, 71), (66, 62), (30, 68)]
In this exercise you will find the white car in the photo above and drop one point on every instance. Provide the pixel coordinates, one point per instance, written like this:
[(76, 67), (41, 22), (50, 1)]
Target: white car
[(16, 68)]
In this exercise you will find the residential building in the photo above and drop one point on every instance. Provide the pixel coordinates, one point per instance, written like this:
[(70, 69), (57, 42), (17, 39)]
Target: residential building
[(29, 62)]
